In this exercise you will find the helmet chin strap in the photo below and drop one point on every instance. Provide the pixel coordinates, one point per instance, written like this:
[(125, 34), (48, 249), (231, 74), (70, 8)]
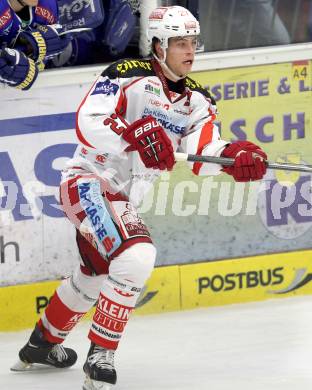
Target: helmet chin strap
[(163, 64)]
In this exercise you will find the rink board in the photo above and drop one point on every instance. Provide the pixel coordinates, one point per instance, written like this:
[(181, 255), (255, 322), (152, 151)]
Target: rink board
[(183, 287), (246, 280)]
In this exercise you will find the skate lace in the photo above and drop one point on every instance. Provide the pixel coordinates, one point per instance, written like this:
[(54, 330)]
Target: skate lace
[(58, 352), (102, 358)]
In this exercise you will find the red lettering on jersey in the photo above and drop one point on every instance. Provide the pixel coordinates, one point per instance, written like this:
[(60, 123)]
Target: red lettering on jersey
[(45, 14), (5, 18), (116, 123)]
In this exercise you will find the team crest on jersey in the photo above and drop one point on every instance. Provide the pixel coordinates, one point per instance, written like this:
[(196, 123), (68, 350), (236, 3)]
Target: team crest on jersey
[(100, 159), (106, 88)]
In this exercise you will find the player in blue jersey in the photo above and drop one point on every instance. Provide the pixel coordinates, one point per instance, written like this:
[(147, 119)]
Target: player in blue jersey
[(29, 36)]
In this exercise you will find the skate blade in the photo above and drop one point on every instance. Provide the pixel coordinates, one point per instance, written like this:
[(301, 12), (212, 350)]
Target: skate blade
[(90, 384), (21, 366)]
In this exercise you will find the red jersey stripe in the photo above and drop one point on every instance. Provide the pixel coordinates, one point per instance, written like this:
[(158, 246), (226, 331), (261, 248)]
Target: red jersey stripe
[(204, 139)]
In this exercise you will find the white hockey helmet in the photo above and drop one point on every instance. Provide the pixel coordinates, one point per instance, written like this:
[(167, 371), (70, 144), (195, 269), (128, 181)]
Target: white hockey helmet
[(169, 22)]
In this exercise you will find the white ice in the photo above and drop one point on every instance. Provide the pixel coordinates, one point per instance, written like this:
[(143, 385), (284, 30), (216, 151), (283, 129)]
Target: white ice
[(258, 346)]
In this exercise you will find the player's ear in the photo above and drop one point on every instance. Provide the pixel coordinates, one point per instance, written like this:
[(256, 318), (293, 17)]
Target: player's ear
[(159, 51)]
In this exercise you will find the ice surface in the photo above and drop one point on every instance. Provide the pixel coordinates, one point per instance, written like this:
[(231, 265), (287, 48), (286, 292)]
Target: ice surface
[(258, 346)]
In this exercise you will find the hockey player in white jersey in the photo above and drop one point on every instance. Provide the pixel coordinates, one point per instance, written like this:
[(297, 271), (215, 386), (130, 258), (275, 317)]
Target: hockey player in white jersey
[(137, 113)]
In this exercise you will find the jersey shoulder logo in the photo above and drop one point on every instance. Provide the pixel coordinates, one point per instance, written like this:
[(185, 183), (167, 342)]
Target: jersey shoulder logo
[(105, 87), (129, 68), (195, 86)]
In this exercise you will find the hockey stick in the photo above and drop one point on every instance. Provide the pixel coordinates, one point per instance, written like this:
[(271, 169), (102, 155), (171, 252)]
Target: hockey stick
[(230, 161), (75, 31)]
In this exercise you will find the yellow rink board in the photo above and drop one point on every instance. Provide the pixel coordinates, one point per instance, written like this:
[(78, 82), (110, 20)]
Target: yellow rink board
[(22, 305), (183, 287), (246, 280)]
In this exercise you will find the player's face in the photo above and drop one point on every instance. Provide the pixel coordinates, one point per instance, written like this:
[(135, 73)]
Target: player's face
[(180, 54)]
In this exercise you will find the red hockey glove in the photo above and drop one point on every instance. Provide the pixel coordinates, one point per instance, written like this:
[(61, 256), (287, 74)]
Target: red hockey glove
[(151, 141), (249, 161)]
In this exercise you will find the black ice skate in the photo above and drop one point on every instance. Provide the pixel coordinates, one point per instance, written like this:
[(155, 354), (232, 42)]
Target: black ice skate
[(40, 351), (99, 369)]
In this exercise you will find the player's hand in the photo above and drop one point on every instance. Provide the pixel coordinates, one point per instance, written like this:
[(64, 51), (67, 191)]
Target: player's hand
[(151, 141), (16, 69), (249, 162), (43, 42)]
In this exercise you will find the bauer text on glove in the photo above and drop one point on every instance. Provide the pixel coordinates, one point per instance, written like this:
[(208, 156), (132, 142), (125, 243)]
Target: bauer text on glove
[(151, 141)]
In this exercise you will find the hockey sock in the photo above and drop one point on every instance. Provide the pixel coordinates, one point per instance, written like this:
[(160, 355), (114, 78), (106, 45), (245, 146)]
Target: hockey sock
[(72, 299), (58, 320), (116, 301)]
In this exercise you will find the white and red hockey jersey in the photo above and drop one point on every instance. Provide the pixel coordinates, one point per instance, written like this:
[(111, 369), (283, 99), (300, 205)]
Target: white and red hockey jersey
[(125, 92)]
